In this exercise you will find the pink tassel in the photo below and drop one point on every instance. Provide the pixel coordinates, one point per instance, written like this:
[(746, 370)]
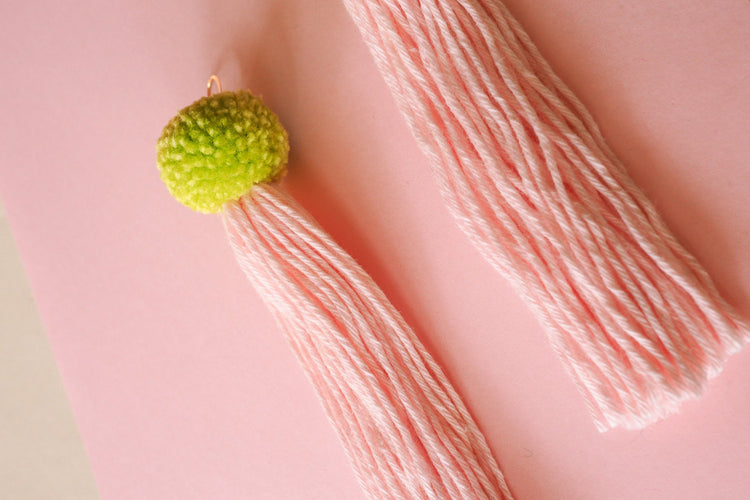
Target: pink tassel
[(404, 427), (636, 320)]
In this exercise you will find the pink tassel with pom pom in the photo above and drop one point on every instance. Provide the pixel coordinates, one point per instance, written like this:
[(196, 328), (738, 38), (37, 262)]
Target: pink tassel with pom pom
[(405, 429)]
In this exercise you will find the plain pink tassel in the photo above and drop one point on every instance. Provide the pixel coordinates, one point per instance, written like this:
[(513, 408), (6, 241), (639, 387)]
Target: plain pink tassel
[(404, 427), (635, 318)]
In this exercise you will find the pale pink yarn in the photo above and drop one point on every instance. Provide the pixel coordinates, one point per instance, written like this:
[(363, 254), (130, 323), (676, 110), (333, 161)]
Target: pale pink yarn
[(525, 170), (404, 427)]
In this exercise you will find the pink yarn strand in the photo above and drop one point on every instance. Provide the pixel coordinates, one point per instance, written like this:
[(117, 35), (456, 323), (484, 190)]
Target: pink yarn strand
[(404, 427), (522, 165)]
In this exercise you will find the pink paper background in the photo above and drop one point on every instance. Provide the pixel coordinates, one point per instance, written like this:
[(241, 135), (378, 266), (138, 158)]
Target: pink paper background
[(181, 385)]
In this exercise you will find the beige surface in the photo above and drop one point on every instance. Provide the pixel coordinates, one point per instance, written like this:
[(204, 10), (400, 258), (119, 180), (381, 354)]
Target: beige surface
[(41, 455)]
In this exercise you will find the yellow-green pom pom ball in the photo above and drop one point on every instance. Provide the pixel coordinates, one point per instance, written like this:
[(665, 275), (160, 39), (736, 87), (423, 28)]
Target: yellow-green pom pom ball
[(214, 150)]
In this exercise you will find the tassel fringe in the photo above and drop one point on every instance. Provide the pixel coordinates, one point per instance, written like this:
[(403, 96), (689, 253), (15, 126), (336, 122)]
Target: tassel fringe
[(404, 427)]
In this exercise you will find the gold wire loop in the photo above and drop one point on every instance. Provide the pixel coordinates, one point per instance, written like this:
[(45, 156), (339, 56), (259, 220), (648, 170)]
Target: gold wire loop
[(210, 85)]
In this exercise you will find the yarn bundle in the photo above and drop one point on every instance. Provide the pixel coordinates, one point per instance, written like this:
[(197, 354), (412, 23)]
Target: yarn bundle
[(405, 429), (635, 319)]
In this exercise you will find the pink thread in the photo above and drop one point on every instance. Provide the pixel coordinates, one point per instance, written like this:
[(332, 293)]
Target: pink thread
[(521, 164), (404, 427)]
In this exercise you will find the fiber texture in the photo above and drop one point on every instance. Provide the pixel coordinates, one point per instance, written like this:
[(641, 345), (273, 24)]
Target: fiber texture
[(219, 146), (404, 427), (521, 164)]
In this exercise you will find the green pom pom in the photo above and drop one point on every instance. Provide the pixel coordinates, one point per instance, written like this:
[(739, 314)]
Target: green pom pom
[(214, 150)]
